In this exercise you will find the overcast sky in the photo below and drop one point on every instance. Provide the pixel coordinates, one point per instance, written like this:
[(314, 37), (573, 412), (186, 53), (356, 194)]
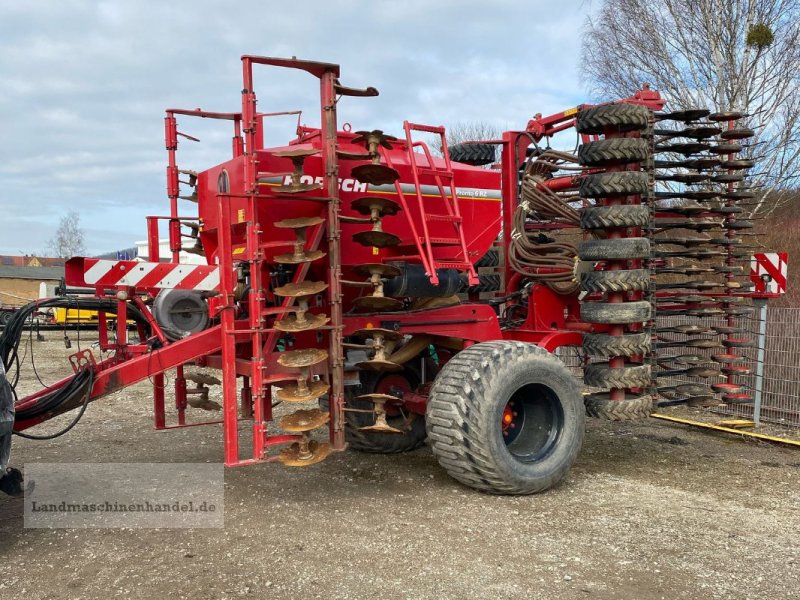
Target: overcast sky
[(83, 87)]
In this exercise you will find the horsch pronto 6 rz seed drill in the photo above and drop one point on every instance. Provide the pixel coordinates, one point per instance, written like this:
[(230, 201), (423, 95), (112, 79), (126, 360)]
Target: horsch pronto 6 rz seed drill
[(390, 294)]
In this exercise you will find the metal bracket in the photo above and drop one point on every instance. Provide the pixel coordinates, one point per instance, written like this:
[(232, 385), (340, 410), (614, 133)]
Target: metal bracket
[(81, 360)]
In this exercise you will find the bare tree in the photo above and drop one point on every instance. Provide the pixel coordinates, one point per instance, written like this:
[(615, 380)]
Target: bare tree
[(465, 131), (69, 239), (720, 54)]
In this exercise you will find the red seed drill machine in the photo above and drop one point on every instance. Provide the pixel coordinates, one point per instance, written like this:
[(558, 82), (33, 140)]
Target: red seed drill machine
[(395, 294)]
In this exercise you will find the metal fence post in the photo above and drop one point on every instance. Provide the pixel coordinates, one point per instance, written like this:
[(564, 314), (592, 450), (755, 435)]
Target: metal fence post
[(761, 304)]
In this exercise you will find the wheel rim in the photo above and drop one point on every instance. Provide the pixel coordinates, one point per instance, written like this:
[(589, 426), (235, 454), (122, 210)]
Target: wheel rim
[(531, 422), (188, 315)]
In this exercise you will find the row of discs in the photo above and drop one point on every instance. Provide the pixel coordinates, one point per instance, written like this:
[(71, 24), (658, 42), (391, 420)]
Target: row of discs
[(298, 297), (377, 343), (306, 388), (700, 239)]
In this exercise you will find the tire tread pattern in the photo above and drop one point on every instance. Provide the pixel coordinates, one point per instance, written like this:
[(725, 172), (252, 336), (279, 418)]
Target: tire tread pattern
[(457, 425), (473, 154), (601, 375), (615, 183), (617, 117), (613, 151), (601, 407), (630, 344), (615, 281), (605, 217)]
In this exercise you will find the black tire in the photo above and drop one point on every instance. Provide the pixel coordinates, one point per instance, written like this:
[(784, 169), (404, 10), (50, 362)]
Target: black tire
[(473, 154), (635, 280), (633, 407), (490, 259), (5, 317), (381, 443), (466, 410), (612, 117), (621, 183), (623, 313), (615, 151), (618, 249), (630, 344), (487, 283), (601, 375), (605, 217)]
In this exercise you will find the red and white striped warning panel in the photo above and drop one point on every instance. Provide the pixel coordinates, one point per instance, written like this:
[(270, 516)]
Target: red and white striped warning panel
[(768, 271), (93, 272)]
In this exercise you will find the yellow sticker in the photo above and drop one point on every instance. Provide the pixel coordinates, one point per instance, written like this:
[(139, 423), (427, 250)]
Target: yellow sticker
[(375, 251), (238, 250), (571, 111), (240, 215)]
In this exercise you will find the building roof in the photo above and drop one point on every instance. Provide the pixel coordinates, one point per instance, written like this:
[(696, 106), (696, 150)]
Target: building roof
[(30, 261), (37, 273)]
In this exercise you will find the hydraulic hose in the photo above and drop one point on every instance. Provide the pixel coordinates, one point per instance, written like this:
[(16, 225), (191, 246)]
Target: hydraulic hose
[(80, 385)]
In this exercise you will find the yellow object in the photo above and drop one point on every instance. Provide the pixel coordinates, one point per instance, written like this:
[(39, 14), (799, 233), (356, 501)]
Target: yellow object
[(75, 316), (80, 316), (736, 423), (760, 436)]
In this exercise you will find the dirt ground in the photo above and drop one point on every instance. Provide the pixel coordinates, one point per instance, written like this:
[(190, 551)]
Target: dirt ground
[(650, 510)]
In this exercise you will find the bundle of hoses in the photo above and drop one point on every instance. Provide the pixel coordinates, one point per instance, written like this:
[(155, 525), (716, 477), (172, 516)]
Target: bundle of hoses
[(531, 253), (78, 386)]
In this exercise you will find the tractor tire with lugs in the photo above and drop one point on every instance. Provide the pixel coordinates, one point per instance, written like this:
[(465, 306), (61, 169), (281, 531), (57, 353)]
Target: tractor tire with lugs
[(484, 390), (489, 282), (629, 344), (612, 117), (614, 151), (603, 376), (635, 280), (490, 259), (600, 406), (606, 217), (616, 183), (473, 154)]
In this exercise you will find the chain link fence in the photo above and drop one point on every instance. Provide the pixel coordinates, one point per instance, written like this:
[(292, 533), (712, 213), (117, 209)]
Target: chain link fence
[(774, 380), (779, 392)]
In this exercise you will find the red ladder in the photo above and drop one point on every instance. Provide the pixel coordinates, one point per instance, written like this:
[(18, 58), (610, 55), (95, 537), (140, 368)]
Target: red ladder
[(445, 182)]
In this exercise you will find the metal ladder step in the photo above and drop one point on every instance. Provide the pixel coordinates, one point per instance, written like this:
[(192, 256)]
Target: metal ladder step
[(435, 172), (444, 218), (435, 241), (444, 264)]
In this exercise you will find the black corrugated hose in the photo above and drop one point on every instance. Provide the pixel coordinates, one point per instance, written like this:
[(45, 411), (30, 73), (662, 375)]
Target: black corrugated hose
[(81, 383)]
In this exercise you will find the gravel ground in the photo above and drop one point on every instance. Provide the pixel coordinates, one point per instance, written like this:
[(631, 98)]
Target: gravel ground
[(650, 510)]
